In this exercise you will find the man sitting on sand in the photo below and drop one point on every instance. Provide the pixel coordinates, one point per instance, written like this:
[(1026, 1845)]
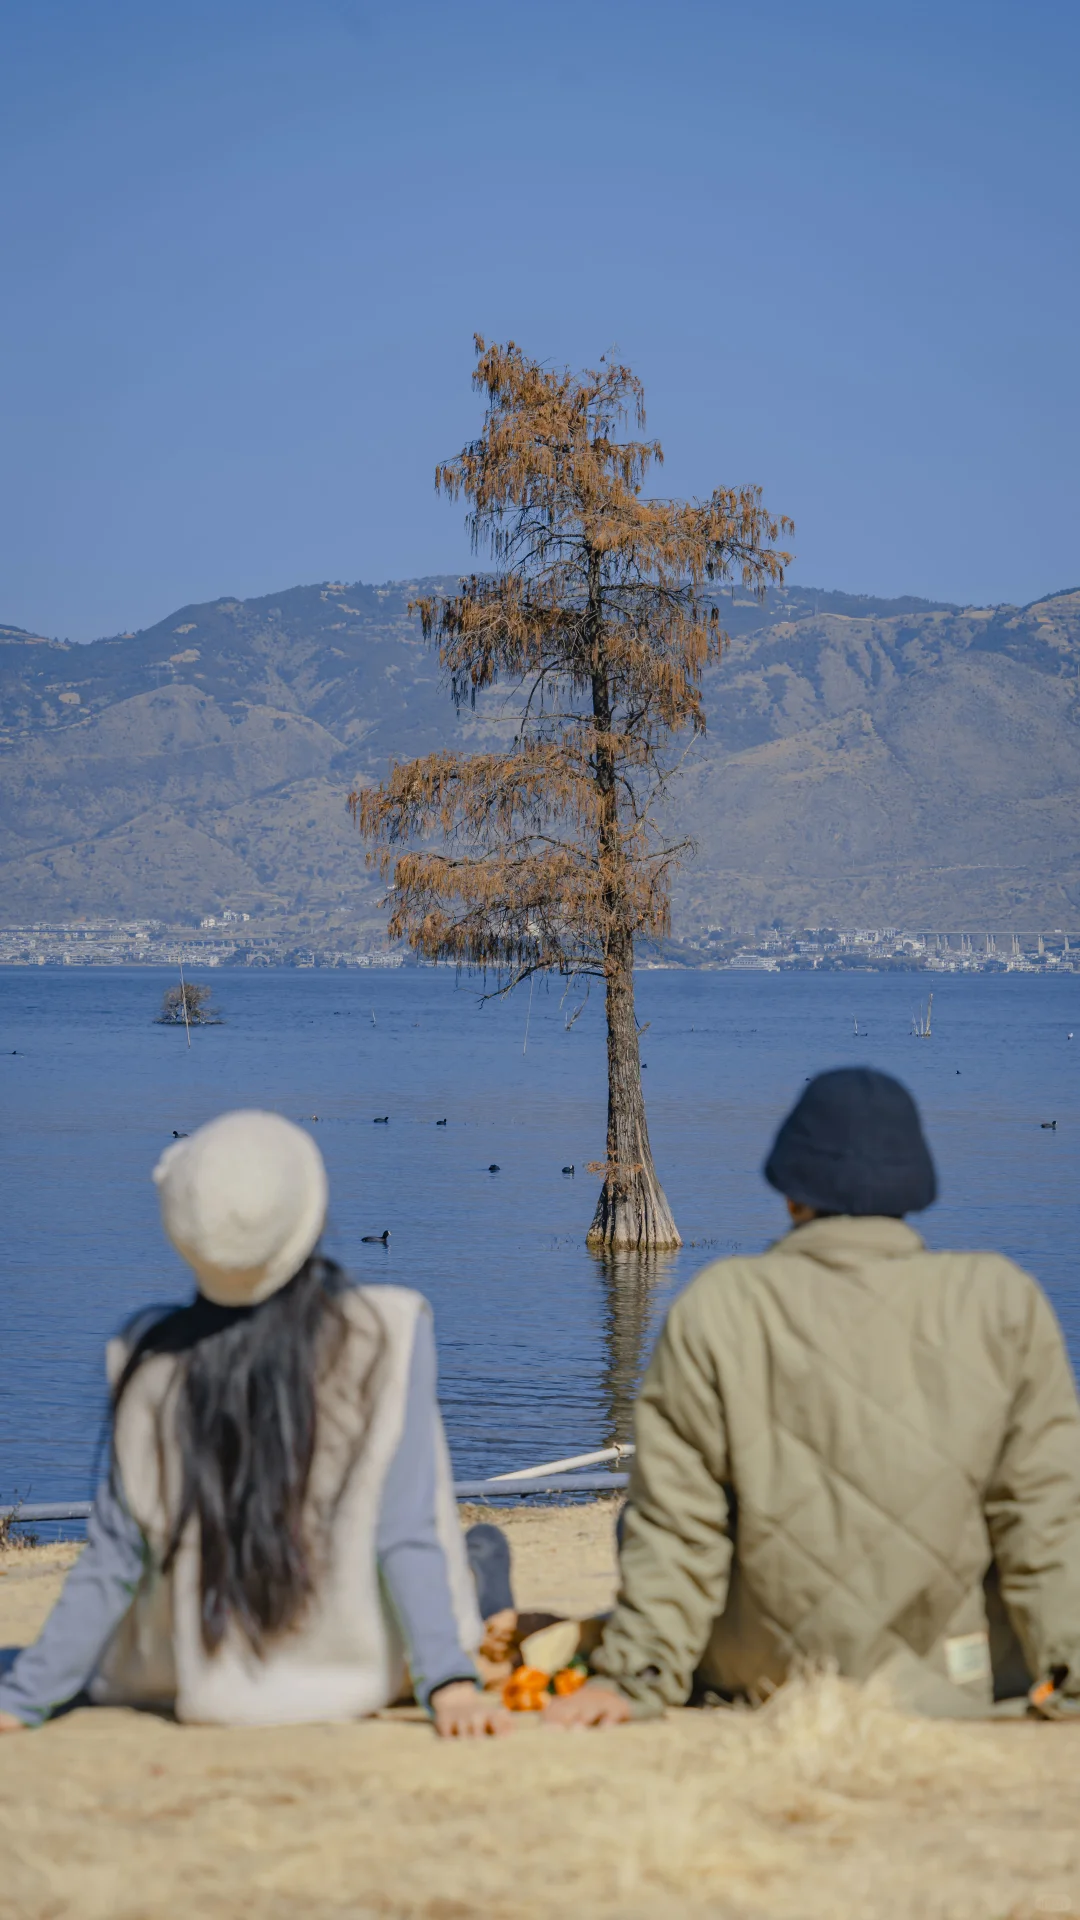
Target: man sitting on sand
[(851, 1449)]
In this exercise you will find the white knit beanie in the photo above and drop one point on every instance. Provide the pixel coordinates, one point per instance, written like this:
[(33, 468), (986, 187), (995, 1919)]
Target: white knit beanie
[(244, 1201)]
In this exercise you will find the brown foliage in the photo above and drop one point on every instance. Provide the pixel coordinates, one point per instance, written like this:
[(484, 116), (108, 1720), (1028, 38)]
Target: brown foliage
[(605, 616), (603, 611)]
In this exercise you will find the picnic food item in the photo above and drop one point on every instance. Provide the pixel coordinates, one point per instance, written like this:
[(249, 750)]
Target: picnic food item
[(552, 1647), (526, 1690), (569, 1679), (529, 1687)]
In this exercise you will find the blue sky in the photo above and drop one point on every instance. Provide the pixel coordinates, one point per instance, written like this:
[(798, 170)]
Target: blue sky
[(246, 247)]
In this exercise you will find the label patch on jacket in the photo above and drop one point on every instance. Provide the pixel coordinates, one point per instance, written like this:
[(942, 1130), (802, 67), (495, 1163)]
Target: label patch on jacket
[(967, 1658)]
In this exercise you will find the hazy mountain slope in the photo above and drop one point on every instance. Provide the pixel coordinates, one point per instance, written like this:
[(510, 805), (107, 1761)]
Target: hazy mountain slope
[(894, 770), (865, 761)]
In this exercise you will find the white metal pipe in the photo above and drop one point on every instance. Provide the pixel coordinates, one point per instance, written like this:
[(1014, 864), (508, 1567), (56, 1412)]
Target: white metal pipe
[(564, 1466), (80, 1509)]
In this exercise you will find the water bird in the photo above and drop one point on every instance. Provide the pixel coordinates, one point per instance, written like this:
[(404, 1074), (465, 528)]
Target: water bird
[(178, 1136), (381, 1120), (1069, 1036), (313, 1116), (1049, 1125), (440, 1123), (568, 1169), (494, 1168), (376, 1239)]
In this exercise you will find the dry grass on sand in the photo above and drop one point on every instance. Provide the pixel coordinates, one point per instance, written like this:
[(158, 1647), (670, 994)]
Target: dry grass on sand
[(826, 1804)]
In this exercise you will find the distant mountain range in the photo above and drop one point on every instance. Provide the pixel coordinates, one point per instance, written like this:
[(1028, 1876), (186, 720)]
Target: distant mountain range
[(867, 761)]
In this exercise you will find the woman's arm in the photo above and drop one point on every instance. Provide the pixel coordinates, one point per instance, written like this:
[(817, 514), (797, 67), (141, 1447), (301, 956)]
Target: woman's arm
[(97, 1593), (413, 1564)]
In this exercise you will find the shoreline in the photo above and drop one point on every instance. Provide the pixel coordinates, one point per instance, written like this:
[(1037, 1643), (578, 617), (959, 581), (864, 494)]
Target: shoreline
[(318, 960)]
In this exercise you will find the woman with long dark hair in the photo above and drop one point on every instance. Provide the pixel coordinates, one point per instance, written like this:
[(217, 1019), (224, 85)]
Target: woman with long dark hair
[(277, 1538)]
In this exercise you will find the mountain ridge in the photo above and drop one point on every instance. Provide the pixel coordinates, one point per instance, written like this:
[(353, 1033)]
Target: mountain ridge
[(867, 761)]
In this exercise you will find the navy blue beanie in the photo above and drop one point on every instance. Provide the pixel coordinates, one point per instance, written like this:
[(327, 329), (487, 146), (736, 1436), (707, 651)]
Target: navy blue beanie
[(854, 1144)]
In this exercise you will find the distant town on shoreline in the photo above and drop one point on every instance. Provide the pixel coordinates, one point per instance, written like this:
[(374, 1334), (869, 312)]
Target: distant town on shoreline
[(231, 940)]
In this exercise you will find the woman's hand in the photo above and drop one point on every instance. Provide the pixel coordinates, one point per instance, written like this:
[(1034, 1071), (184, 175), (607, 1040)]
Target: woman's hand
[(592, 1706), (10, 1724), (462, 1712)]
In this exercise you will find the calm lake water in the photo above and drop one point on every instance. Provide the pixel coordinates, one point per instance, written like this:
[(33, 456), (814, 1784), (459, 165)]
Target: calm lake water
[(541, 1345)]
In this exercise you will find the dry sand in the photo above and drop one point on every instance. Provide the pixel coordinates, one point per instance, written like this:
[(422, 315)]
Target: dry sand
[(825, 1805)]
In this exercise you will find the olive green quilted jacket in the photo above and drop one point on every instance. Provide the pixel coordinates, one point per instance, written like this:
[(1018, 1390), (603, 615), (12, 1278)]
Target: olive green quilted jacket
[(853, 1449)]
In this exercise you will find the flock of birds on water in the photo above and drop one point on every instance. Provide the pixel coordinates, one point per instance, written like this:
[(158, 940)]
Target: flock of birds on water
[(383, 1120)]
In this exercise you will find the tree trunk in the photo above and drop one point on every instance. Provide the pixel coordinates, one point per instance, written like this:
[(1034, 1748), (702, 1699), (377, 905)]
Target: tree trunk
[(632, 1210)]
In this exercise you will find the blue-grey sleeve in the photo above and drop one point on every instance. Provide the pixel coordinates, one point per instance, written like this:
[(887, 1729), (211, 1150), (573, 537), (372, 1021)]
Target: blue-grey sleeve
[(412, 1562), (97, 1593)]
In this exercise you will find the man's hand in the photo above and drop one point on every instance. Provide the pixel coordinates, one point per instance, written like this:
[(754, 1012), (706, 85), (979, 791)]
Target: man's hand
[(592, 1706), (9, 1723), (462, 1712)]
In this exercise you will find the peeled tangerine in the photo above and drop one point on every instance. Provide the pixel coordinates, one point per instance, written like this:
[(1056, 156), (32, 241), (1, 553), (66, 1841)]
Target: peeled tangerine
[(569, 1680), (526, 1689)]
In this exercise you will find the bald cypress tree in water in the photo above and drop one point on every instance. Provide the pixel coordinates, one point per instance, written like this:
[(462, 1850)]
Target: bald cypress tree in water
[(600, 612)]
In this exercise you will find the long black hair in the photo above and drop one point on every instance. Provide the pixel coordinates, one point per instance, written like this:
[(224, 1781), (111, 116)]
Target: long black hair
[(246, 1421)]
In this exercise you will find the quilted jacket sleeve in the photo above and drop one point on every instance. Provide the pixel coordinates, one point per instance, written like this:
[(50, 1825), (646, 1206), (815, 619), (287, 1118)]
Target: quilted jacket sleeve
[(1032, 1505), (675, 1555)]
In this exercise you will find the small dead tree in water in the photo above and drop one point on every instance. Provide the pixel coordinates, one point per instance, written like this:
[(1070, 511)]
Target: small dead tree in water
[(601, 614), (196, 1000)]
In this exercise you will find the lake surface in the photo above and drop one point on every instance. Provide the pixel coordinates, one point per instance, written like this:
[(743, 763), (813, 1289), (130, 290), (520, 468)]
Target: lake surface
[(541, 1345)]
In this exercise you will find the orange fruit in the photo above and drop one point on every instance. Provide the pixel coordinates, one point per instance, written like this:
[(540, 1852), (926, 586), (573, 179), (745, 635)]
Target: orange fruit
[(569, 1679), (525, 1690)]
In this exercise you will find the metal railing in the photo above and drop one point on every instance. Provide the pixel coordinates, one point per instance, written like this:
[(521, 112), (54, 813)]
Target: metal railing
[(552, 1476)]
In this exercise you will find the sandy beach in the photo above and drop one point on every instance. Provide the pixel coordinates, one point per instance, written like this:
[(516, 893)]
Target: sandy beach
[(825, 1804)]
